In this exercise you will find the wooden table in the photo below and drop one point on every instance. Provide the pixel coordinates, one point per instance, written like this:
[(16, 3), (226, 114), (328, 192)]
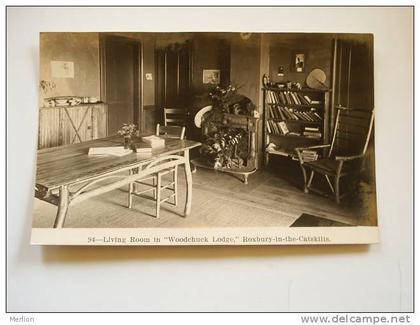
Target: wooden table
[(61, 169)]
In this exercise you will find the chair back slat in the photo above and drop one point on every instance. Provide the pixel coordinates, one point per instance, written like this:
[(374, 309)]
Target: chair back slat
[(351, 132), (173, 116)]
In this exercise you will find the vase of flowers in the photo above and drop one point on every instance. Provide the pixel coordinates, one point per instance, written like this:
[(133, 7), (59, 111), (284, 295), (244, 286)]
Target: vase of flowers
[(128, 131)]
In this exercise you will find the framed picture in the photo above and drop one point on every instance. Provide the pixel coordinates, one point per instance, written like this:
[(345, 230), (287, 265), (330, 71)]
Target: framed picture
[(299, 61), (211, 77), (62, 69)]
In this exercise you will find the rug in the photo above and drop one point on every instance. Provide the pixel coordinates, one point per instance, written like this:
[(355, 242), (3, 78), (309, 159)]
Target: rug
[(307, 220)]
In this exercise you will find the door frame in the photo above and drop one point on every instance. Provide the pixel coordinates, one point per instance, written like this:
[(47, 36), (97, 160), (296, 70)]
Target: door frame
[(103, 38)]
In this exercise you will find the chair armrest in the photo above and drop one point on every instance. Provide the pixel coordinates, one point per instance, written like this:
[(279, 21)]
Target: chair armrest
[(346, 158)]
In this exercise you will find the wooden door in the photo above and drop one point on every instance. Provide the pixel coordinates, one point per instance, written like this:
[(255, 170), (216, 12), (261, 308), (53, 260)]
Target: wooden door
[(353, 74), (173, 77), (120, 80)]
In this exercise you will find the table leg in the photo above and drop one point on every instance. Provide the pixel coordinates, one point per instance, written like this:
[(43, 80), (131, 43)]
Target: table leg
[(130, 190), (62, 207), (188, 178)]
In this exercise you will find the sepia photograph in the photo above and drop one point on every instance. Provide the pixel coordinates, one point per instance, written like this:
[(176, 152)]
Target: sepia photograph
[(200, 130), (209, 159)]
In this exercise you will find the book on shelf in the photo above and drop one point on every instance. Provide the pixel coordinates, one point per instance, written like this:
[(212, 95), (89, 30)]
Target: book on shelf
[(285, 113), (303, 100), (289, 97), (311, 101), (277, 127), (297, 134), (283, 127), (268, 127), (312, 132)]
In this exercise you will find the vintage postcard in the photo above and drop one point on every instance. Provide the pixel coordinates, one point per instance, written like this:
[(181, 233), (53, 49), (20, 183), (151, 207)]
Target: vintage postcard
[(215, 138)]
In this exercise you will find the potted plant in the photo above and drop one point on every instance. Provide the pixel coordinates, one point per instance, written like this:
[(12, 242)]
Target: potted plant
[(127, 131)]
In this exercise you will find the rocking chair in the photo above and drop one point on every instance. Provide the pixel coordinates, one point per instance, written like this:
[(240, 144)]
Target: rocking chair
[(346, 151)]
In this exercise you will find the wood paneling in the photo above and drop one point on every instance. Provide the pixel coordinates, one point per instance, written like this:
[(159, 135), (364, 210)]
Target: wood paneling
[(49, 127), (173, 76), (74, 124)]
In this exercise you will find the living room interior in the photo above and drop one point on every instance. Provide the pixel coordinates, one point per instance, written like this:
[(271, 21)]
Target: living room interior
[(277, 94)]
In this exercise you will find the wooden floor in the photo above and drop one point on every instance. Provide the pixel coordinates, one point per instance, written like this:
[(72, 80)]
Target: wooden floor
[(271, 198)]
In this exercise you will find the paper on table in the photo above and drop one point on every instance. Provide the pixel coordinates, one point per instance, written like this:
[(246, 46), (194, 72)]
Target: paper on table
[(109, 151), (143, 149)]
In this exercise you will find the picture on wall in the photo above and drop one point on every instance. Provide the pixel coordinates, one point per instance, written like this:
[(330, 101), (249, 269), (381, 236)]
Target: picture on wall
[(211, 77), (299, 61)]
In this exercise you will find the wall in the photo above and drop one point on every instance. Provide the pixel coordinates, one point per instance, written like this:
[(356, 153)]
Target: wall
[(245, 66), (209, 52), (80, 48), (318, 49), (245, 57)]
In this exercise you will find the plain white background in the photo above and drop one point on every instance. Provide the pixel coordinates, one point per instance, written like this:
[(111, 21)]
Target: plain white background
[(331, 278)]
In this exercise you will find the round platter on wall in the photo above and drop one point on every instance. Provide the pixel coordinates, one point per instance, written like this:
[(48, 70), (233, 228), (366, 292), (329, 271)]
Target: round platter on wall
[(316, 79)]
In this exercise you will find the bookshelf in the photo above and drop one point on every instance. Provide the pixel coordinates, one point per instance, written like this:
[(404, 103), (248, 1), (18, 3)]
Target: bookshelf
[(294, 118)]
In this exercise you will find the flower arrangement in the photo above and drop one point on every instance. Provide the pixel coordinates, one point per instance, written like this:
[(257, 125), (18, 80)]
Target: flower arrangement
[(220, 148), (127, 130), (47, 86)]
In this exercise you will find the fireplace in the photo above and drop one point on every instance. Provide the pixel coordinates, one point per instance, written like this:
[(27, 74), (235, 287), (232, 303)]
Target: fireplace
[(229, 139)]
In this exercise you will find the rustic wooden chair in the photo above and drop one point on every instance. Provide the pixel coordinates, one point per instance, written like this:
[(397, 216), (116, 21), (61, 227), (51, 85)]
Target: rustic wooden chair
[(350, 140), (173, 116), (156, 169), (153, 182)]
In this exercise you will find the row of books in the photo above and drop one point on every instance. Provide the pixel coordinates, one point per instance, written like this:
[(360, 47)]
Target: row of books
[(312, 132), (277, 127), (274, 127), (289, 98), (284, 113)]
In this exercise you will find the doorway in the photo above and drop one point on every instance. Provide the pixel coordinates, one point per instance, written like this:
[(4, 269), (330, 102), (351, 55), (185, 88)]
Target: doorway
[(173, 81), (120, 80)]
